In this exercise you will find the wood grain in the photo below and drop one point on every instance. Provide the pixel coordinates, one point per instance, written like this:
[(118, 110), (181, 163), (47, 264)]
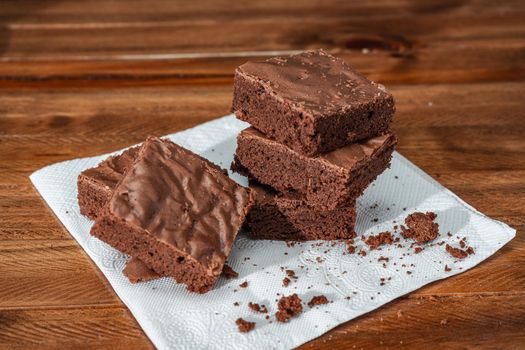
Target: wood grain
[(83, 78)]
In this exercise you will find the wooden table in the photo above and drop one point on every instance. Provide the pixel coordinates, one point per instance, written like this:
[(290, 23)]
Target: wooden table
[(79, 78)]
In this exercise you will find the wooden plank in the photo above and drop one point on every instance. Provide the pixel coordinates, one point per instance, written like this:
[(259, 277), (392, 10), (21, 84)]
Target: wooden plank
[(434, 323), (416, 322), (403, 42), (69, 327)]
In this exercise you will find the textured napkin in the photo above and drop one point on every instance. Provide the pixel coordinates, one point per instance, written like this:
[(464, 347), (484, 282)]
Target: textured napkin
[(174, 318)]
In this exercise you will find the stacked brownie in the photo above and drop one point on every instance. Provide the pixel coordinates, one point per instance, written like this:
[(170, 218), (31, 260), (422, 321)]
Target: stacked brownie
[(319, 136)]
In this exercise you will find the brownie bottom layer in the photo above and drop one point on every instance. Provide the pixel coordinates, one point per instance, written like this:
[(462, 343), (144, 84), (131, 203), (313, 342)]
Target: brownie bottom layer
[(163, 259), (268, 221), (91, 198)]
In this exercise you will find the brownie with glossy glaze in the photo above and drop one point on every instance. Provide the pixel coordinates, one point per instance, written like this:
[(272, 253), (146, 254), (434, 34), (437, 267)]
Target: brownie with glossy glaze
[(312, 102), (288, 217), (96, 185), (327, 181), (176, 212)]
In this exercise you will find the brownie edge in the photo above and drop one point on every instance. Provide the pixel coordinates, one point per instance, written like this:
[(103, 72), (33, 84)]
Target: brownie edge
[(177, 212)]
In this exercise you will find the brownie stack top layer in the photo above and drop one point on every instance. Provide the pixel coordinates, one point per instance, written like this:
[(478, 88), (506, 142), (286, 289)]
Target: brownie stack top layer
[(315, 82), (183, 200), (312, 102)]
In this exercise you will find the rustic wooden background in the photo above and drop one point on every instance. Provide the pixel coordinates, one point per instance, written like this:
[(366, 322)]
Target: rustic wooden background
[(79, 78)]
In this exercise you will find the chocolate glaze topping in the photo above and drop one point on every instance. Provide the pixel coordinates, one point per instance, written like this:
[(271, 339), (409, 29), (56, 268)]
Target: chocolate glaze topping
[(183, 200), (349, 156), (110, 171), (315, 81)]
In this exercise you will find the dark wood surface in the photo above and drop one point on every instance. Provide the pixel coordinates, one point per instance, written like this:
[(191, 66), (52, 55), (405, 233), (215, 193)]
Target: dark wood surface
[(78, 78)]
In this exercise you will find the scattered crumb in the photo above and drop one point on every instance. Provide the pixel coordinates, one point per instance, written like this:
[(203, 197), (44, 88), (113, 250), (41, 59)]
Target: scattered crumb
[(362, 252), (459, 253), (318, 300), (236, 303), (244, 284), (228, 272), (291, 274), (258, 308), (286, 281), (447, 269), (383, 258), (288, 307), (373, 242), (418, 250), (244, 326), (421, 227)]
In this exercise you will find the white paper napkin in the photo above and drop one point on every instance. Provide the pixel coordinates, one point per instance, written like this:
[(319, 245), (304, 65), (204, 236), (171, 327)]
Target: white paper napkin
[(174, 318)]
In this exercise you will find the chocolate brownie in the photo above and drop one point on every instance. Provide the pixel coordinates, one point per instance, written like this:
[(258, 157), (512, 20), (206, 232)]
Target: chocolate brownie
[(136, 271), (289, 217), (312, 102), (177, 212), (328, 181), (96, 185)]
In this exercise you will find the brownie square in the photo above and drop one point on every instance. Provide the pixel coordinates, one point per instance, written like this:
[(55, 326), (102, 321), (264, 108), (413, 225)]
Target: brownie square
[(327, 181), (96, 185), (176, 212), (289, 217), (312, 102)]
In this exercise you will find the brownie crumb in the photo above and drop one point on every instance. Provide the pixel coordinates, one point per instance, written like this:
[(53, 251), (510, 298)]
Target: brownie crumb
[(286, 281), (362, 252), (418, 250), (228, 272), (318, 300), (244, 326), (383, 258), (291, 274), (373, 242), (350, 249), (236, 303), (421, 227), (288, 307), (258, 308), (459, 253), (447, 269), (244, 284)]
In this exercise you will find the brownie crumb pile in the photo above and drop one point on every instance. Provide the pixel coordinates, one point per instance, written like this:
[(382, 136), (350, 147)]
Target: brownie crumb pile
[(244, 326), (420, 227), (288, 307), (318, 300), (373, 242)]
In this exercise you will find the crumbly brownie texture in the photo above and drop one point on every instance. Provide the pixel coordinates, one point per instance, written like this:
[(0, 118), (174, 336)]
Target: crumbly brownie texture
[(258, 308), (459, 253), (421, 227), (96, 185), (312, 102), (177, 212), (328, 181), (136, 271), (244, 326), (318, 300), (288, 307), (374, 242), (289, 217)]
